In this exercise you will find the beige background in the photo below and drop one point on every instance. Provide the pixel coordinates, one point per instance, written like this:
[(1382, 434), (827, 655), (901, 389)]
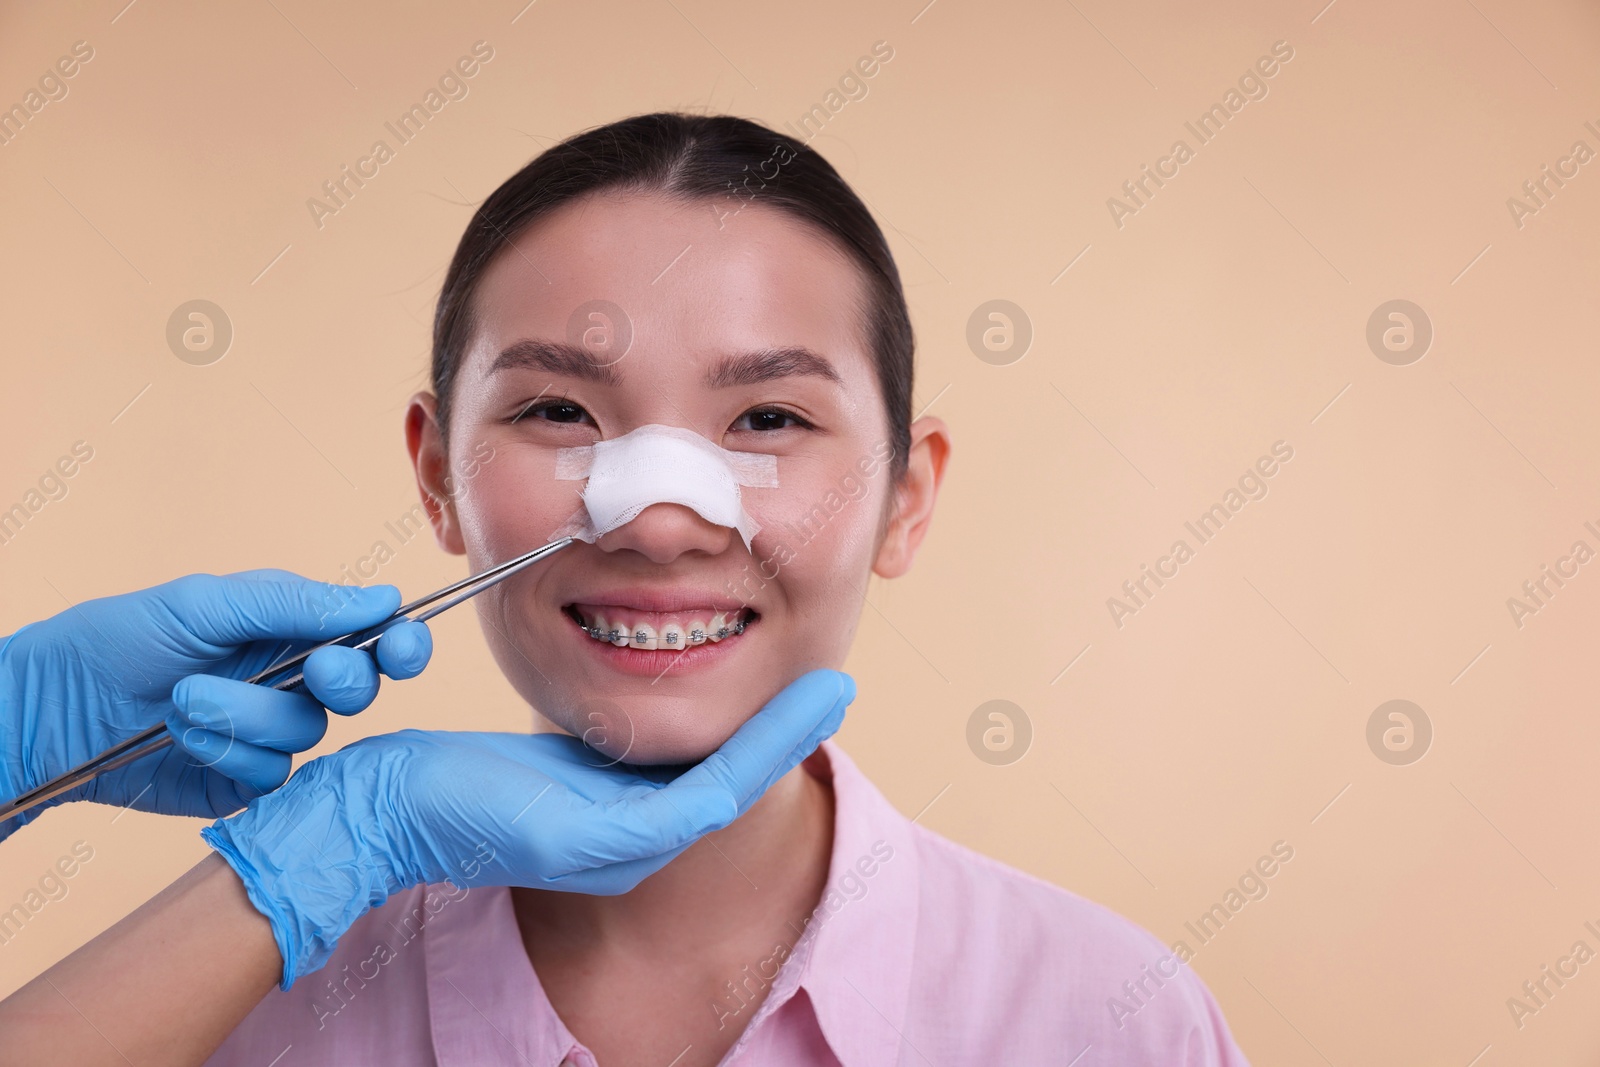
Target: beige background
[(1228, 314)]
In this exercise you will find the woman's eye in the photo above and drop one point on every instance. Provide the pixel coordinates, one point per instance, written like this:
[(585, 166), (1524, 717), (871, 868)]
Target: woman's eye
[(767, 419), (553, 411)]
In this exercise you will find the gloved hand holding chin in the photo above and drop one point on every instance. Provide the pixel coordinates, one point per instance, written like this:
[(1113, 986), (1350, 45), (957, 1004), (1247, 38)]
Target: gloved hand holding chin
[(543, 810)]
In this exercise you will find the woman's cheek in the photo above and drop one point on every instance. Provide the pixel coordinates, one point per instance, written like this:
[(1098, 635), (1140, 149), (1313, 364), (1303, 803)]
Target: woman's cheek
[(815, 524), (515, 503), (831, 504)]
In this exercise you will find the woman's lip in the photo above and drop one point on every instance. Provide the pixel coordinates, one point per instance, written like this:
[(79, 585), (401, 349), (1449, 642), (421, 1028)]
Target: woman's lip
[(655, 663), (658, 601)]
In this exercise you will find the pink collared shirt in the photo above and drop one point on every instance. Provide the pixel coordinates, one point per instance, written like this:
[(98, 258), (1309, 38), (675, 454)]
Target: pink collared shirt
[(920, 952)]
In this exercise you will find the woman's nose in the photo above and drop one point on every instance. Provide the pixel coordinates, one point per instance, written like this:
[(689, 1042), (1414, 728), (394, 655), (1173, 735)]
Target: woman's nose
[(663, 532)]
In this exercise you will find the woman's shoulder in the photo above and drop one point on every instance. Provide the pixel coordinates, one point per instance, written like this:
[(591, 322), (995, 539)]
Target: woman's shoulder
[(993, 895), (994, 965), (1043, 958)]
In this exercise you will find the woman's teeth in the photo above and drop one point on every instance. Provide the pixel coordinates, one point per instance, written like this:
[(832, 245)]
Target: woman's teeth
[(672, 635)]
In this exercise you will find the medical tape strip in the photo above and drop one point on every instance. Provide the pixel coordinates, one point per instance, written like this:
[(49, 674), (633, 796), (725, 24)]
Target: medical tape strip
[(658, 464)]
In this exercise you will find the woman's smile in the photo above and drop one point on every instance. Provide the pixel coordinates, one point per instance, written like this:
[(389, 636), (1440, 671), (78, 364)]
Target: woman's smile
[(652, 630), (643, 653), (676, 631)]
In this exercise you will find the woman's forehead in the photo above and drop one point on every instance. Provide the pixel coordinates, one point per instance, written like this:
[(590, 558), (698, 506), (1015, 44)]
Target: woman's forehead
[(700, 276)]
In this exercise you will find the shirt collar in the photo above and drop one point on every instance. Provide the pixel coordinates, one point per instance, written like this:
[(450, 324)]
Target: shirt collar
[(484, 1000), (854, 957)]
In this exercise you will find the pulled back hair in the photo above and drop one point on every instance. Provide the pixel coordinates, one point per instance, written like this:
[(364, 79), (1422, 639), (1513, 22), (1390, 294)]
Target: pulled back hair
[(691, 158)]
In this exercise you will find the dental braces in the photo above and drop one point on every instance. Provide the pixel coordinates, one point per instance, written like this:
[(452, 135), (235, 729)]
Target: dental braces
[(696, 636)]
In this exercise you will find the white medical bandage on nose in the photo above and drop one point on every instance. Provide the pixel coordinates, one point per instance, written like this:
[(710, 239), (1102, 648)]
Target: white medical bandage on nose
[(661, 465)]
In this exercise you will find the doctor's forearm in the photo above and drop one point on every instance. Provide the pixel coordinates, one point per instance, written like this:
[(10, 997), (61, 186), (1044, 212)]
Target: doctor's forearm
[(166, 984)]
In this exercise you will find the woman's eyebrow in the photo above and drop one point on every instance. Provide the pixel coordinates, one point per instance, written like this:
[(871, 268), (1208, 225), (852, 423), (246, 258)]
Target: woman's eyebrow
[(743, 368), (767, 364), (557, 357)]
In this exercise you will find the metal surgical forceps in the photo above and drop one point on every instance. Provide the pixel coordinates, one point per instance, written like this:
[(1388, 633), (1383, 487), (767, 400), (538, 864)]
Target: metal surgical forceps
[(282, 675)]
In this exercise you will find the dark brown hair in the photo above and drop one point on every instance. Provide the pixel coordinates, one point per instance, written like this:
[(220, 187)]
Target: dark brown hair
[(690, 157)]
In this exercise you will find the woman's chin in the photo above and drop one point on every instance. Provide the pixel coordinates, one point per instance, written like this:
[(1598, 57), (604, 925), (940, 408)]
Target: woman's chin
[(655, 749), (650, 733)]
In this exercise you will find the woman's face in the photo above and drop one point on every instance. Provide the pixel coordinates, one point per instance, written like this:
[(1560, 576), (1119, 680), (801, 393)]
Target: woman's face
[(744, 328)]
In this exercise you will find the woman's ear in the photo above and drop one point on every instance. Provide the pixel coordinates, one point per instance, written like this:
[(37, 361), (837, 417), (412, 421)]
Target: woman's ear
[(432, 465), (914, 497)]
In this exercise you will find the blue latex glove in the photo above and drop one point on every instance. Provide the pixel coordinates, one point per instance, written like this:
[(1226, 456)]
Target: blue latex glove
[(541, 810), (75, 684)]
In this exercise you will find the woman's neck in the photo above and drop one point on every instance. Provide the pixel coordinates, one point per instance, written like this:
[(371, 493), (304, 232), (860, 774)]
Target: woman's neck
[(667, 950)]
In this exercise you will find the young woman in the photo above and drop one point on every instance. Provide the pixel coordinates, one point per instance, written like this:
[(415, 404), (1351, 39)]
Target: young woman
[(709, 274)]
